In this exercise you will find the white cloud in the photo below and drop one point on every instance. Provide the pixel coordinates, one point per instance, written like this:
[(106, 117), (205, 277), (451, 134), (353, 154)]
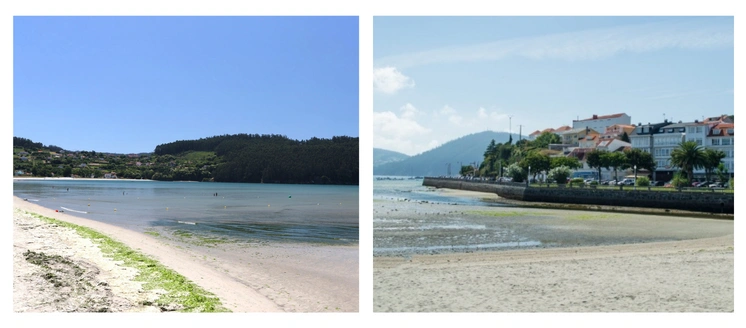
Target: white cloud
[(389, 125), (412, 132), (455, 119), (400, 133), (409, 111), (582, 45), (482, 113), (389, 80), (446, 110)]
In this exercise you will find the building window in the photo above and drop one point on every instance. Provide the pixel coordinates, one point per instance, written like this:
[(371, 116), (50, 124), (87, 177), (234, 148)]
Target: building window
[(726, 142), (699, 129), (716, 142)]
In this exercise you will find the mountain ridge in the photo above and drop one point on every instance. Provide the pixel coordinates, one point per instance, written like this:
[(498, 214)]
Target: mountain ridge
[(466, 149)]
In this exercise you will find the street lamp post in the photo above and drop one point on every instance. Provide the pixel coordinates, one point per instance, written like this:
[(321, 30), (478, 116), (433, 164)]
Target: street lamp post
[(528, 178), (510, 125), (635, 182)]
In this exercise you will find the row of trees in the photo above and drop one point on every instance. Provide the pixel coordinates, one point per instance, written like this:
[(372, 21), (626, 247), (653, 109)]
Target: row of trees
[(629, 158), (519, 157)]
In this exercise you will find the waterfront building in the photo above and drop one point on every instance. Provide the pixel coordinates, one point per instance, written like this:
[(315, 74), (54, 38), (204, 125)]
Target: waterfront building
[(600, 123)]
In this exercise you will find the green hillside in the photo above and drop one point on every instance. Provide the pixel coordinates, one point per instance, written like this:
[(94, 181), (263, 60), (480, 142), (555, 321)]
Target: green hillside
[(226, 158), (467, 149), (383, 156)]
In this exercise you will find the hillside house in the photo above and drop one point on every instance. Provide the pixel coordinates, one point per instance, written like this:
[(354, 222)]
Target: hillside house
[(600, 123)]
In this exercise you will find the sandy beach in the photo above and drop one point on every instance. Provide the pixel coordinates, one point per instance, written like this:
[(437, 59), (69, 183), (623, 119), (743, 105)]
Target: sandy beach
[(258, 277), (617, 263)]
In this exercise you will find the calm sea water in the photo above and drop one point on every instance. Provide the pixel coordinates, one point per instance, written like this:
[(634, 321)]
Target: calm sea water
[(298, 213), (400, 188)]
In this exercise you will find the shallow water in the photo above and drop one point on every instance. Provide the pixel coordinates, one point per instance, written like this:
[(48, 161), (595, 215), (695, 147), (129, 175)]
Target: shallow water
[(406, 188), (294, 213), (408, 225)]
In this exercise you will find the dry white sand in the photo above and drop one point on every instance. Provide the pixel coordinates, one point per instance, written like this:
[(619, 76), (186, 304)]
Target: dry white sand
[(275, 278), (694, 275), (682, 276)]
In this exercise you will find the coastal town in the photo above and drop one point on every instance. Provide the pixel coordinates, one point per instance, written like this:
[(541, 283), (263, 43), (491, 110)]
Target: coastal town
[(616, 133)]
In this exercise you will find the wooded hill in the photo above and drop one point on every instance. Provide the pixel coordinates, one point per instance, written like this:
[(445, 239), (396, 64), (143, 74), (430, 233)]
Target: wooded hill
[(383, 156), (462, 151), (226, 158)]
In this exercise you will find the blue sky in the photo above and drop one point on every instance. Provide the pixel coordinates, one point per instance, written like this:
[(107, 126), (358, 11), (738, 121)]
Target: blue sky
[(440, 78), (128, 84)]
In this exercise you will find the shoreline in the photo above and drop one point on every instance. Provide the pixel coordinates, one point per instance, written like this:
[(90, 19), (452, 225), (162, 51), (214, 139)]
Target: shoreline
[(226, 270), (75, 179), (494, 198)]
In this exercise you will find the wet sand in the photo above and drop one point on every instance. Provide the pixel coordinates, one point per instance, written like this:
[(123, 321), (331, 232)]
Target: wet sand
[(247, 277), (584, 261)]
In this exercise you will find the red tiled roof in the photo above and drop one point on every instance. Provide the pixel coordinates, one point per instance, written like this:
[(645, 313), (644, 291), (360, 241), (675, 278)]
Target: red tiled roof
[(722, 118), (547, 130), (535, 133), (563, 128), (723, 129)]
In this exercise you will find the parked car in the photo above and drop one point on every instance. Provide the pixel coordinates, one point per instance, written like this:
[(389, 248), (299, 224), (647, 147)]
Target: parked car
[(659, 183), (716, 185), (627, 182)]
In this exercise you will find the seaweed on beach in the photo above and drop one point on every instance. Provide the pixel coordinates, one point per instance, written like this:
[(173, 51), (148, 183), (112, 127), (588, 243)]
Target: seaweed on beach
[(180, 294)]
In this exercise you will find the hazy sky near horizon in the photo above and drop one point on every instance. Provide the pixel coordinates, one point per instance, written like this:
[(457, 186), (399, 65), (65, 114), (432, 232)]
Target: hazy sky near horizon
[(439, 78), (128, 84)]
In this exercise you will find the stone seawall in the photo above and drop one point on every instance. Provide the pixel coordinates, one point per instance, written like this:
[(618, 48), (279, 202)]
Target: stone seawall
[(707, 201)]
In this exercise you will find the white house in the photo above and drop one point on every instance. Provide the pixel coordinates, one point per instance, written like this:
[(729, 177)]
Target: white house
[(600, 123), (646, 137), (613, 145), (661, 139), (575, 136), (721, 137)]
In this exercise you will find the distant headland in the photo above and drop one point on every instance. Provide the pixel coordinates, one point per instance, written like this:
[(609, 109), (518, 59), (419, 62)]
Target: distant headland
[(250, 158)]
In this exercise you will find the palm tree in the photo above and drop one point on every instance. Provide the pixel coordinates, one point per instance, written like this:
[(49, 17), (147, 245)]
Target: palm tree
[(712, 159), (689, 156)]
